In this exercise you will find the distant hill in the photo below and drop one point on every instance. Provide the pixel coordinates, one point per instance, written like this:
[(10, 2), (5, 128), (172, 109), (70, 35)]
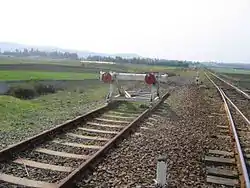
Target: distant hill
[(9, 46)]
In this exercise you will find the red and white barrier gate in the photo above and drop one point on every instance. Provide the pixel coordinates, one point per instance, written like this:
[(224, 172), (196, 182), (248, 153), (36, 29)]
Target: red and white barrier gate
[(152, 79)]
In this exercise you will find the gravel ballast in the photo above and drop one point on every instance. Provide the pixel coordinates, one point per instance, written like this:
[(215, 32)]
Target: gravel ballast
[(183, 133)]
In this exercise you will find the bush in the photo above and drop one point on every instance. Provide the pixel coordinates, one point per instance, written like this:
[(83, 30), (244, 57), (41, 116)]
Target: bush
[(22, 91), (30, 90), (170, 74), (42, 89)]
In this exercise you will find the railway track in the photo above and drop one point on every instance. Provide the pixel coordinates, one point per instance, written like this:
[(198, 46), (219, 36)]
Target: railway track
[(231, 168), (57, 157)]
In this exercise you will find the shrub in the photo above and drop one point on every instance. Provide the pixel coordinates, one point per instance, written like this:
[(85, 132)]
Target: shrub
[(170, 74), (22, 91), (42, 89), (30, 90)]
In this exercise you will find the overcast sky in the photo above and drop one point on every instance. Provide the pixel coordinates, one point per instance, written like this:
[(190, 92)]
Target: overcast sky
[(174, 29)]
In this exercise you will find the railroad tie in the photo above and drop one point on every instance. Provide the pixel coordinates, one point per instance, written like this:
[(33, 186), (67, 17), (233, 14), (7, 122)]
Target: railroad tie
[(105, 125), (118, 117), (220, 152), (42, 165), (220, 160), (97, 131), (222, 172), (124, 113), (25, 181), (153, 119), (76, 145), (111, 121), (151, 124), (222, 181), (145, 128), (248, 155), (222, 127), (61, 154), (157, 116), (87, 137)]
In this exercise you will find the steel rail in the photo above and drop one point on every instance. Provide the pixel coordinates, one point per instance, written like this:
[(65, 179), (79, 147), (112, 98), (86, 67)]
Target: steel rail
[(236, 138), (236, 108), (239, 90), (68, 181)]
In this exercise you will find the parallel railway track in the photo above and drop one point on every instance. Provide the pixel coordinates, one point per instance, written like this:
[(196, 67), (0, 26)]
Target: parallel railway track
[(57, 157), (241, 83), (232, 168), (226, 85)]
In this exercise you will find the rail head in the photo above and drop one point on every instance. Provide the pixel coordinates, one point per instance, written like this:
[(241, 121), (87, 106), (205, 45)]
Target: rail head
[(236, 138)]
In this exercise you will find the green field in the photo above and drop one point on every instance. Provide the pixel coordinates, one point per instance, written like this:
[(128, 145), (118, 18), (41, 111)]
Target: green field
[(40, 75)]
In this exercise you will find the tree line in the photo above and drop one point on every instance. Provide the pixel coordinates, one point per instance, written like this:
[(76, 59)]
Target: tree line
[(35, 52), (74, 56), (147, 61)]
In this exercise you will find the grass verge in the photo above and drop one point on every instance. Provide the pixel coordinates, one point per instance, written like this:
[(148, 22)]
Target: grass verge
[(47, 109), (24, 118)]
